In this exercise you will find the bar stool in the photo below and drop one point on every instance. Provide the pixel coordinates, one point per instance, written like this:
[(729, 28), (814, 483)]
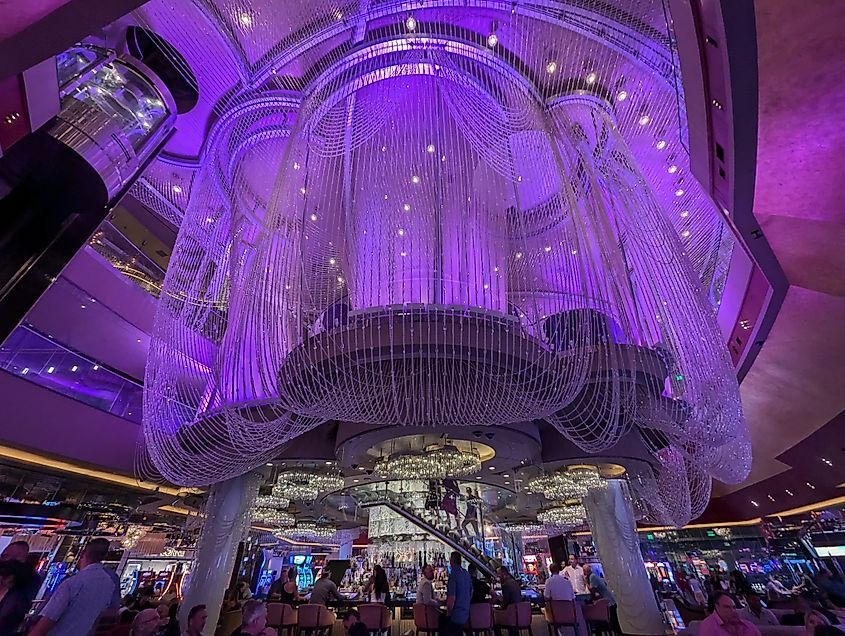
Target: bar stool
[(229, 622), (281, 617), (377, 617), (561, 614), (480, 619), (314, 620), (515, 618), (597, 616), (426, 619)]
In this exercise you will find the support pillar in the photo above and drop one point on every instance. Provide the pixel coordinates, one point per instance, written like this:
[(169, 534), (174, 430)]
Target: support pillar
[(226, 524), (615, 536)]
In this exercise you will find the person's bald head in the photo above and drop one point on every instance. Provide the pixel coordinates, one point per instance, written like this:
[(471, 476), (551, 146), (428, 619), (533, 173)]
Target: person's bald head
[(15, 551)]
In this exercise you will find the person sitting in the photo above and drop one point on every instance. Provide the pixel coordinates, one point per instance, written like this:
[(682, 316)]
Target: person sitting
[(349, 619), (812, 620), (325, 590), (775, 590), (254, 622), (480, 587), (558, 587), (754, 612), (145, 623), (511, 595), (196, 620), (725, 621), (275, 591), (290, 590)]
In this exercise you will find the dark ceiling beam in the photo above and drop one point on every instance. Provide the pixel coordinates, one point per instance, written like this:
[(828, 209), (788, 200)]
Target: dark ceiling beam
[(49, 34)]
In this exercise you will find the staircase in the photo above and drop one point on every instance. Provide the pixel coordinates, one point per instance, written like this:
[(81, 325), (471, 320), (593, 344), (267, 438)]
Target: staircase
[(450, 536)]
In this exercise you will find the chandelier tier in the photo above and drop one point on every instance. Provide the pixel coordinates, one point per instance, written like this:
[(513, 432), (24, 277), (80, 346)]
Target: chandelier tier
[(274, 516), (421, 238), (303, 485), (566, 484), (561, 517), (438, 462), (307, 530)]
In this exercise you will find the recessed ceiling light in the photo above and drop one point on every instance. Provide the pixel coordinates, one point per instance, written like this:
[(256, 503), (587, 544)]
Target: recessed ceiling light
[(491, 468), (177, 189), (82, 306), (139, 340), (332, 261), (313, 217), (672, 169), (486, 285), (415, 179), (685, 233), (684, 214), (302, 190), (551, 67), (269, 464), (411, 23), (340, 279), (644, 120), (755, 504), (591, 78), (245, 19), (401, 232), (328, 462), (356, 480), (51, 369), (407, 207), (492, 40), (574, 252), (661, 144), (403, 254), (679, 192), (621, 96), (519, 254), (430, 149), (548, 248), (96, 366), (74, 368)]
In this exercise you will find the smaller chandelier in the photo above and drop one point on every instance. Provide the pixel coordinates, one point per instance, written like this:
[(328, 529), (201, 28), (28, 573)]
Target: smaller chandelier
[(567, 484), (439, 462), (273, 516), (305, 486), (271, 501), (524, 527), (307, 530), (563, 516)]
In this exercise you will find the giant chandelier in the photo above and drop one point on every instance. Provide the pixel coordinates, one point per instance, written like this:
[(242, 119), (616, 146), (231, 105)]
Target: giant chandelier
[(420, 237), (274, 516), (307, 530), (438, 462), (304, 485), (566, 484)]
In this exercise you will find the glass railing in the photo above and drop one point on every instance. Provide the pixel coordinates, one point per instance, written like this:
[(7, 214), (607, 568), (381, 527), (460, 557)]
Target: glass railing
[(39, 359)]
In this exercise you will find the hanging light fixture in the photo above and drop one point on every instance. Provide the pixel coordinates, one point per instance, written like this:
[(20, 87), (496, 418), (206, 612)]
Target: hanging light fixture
[(271, 501), (307, 530), (274, 516), (522, 526), (566, 516), (435, 462), (567, 484), (304, 485)]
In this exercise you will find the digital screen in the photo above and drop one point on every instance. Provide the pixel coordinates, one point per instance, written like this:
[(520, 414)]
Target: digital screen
[(831, 550)]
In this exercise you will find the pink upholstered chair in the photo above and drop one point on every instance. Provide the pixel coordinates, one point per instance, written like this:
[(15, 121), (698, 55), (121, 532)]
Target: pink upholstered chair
[(314, 620), (377, 617), (481, 619), (515, 618), (597, 616), (561, 614), (282, 617), (426, 619)]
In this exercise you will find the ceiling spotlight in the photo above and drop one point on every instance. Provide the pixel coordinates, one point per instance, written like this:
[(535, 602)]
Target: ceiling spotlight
[(755, 504), (486, 285), (302, 190), (96, 366), (684, 214), (621, 96), (574, 252), (406, 207), (401, 232), (338, 15), (296, 165), (313, 217), (679, 192), (82, 306), (51, 369), (403, 254), (591, 78), (809, 485), (411, 23), (415, 179), (138, 340), (548, 248), (245, 19), (430, 149), (644, 120), (519, 254), (685, 233), (492, 40), (661, 144), (177, 189), (551, 67), (340, 279), (74, 368), (332, 261), (672, 169)]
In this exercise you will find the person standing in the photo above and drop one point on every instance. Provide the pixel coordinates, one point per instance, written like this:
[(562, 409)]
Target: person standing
[(558, 588), (471, 516), (290, 590), (575, 574), (275, 591), (725, 621), (79, 600), (14, 598), (480, 587), (450, 503), (197, 617), (17, 552), (325, 590), (458, 595)]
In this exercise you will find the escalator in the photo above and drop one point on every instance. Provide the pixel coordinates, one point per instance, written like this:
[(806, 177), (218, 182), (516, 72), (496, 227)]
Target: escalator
[(450, 536)]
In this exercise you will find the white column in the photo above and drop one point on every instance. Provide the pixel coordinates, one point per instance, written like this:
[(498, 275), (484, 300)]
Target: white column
[(615, 536), (226, 525)]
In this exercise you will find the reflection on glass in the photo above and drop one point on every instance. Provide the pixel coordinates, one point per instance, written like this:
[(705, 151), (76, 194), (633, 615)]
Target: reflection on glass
[(77, 60)]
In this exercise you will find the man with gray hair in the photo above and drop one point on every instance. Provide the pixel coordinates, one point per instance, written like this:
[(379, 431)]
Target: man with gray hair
[(254, 621)]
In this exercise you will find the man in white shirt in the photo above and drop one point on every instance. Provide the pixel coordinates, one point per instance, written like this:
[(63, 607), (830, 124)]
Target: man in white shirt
[(558, 588), (575, 574), (755, 612), (425, 588)]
